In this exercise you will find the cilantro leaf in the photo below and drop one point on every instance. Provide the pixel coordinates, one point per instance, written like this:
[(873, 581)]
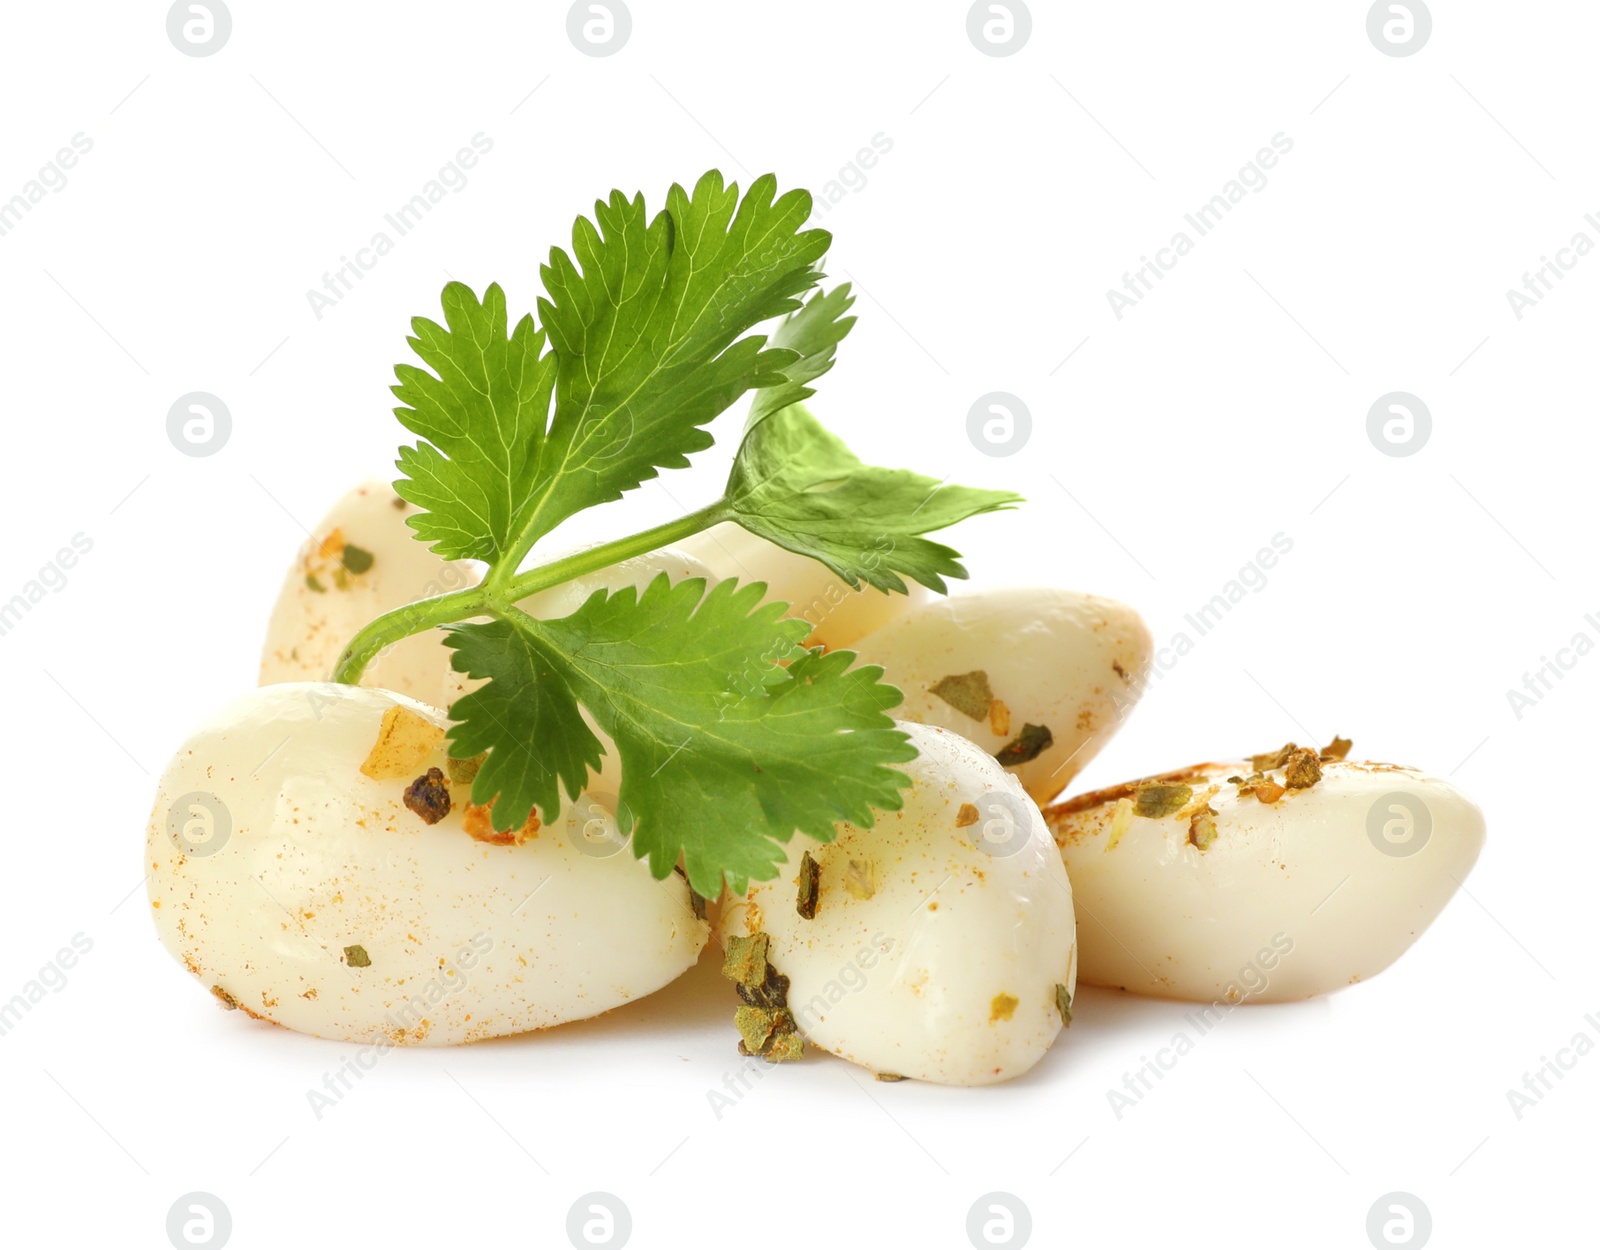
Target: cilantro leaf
[(525, 718), (482, 411), (646, 334), (795, 484), (813, 332), (725, 752)]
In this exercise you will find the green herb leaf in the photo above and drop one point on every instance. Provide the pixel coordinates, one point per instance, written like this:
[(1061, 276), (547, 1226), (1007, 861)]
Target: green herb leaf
[(482, 411), (526, 719), (645, 333), (814, 334), (731, 735), (725, 752), (795, 484)]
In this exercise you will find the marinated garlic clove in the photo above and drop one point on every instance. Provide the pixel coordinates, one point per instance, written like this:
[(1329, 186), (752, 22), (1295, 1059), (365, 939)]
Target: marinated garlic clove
[(361, 561), (837, 614), (294, 872), (1267, 881), (941, 943), (1039, 678)]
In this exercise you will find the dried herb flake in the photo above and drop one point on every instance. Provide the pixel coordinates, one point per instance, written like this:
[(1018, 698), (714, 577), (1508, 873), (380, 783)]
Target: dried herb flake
[(1302, 770), (462, 772), (745, 961), (1156, 799), (810, 878), (968, 693), (1273, 759), (1337, 749), (1028, 745)]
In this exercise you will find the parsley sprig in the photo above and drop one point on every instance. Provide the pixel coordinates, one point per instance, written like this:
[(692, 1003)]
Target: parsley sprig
[(731, 734)]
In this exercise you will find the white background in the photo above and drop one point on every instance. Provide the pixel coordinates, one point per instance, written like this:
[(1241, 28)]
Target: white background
[(1230, 405)]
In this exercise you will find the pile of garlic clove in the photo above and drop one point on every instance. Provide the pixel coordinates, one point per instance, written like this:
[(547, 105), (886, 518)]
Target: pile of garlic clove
[(315, 859)]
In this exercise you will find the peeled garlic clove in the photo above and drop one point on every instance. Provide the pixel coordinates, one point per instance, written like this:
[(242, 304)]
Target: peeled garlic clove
[(1039, 678), (292, 876), (361, 561), (837, 614), (1300, 879), (941, 943)]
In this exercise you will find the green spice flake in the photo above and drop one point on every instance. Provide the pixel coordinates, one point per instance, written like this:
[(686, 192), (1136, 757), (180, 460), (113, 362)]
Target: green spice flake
[(357, 957), (1064, 1005), (313, 584), (357, 559), (784, 1048), (1028, 745), (225, 998), (968, 693), (1157, 799), (769, 1033), (810, 877), (745, 962), (463, 771), (1203, 828), (887, 1076), (756, 1025)]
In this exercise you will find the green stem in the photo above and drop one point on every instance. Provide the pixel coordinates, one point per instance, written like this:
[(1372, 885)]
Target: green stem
[(580, 563), (488, 599), (413, 618)]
